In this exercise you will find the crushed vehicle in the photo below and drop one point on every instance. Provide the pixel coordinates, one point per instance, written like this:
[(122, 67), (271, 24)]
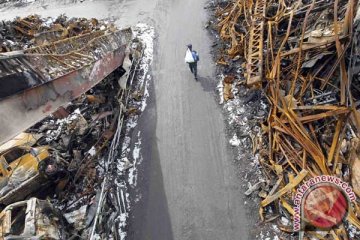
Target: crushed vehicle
[(33, 219), (25, 168)]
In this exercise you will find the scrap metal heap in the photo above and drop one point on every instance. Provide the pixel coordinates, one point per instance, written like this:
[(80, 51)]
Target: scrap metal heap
[(71, 157), (33, 30), (85, 138), (82, 133), (60, 60), (310, 77), (36, 66)]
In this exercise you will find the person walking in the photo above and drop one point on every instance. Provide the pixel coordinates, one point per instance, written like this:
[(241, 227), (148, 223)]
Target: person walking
[(191, 58)]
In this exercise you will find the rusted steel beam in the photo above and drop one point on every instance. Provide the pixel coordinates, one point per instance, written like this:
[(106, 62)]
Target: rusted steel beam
[(255, 49), (25, 27), (56, 78)]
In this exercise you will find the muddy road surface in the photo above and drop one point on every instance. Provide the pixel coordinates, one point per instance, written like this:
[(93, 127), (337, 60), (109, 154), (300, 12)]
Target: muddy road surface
[(188, 183)]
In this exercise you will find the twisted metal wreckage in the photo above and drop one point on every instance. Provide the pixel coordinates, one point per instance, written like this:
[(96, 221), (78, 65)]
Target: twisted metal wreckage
[(304, 57), (71, 91)]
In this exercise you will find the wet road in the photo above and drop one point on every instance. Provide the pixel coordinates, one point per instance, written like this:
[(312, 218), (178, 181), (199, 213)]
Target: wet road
[(188, 183), (190, 186)]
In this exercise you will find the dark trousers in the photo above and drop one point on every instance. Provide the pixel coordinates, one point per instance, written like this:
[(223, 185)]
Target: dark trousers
[(193, 68)]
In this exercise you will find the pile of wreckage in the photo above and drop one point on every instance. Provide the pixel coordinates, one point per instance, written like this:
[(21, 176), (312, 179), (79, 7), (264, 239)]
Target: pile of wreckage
[(303, 56), (30, 31), (70, 158)]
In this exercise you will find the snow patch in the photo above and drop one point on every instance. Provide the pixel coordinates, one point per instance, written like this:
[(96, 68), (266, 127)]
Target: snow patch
[(235, 141), (92, 151), (133, 172), (131, 158)]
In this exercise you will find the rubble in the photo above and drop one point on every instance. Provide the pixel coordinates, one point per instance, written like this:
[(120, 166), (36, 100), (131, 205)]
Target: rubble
[(33, 219), (121, 173), (85, 166), (301, 58), (55, 73), (25, 169), (81, 143), (32, 31)]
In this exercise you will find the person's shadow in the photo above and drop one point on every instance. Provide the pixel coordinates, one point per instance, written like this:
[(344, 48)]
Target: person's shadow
[(208, 84)]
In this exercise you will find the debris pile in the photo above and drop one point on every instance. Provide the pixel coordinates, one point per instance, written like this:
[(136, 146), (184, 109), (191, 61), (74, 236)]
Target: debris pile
[(26, 167), (303, 58), (33, 218), (63, 158), (81, 136), (30, 31), (78, 157), (55, 73)]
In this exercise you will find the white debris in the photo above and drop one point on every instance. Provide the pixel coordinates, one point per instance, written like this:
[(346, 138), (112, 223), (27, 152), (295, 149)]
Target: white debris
[(131, 123), (136, 152), (235, 141), (136, 156), (353, 231), (124, 164), (284, 221), (123, 221), (276, 229), (220, 88), (49, 21), (252, 188), (77, 217), (92, 151), (77, 111)]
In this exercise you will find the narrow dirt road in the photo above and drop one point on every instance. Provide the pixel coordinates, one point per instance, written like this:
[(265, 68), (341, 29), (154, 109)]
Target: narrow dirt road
[(188, 184)]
